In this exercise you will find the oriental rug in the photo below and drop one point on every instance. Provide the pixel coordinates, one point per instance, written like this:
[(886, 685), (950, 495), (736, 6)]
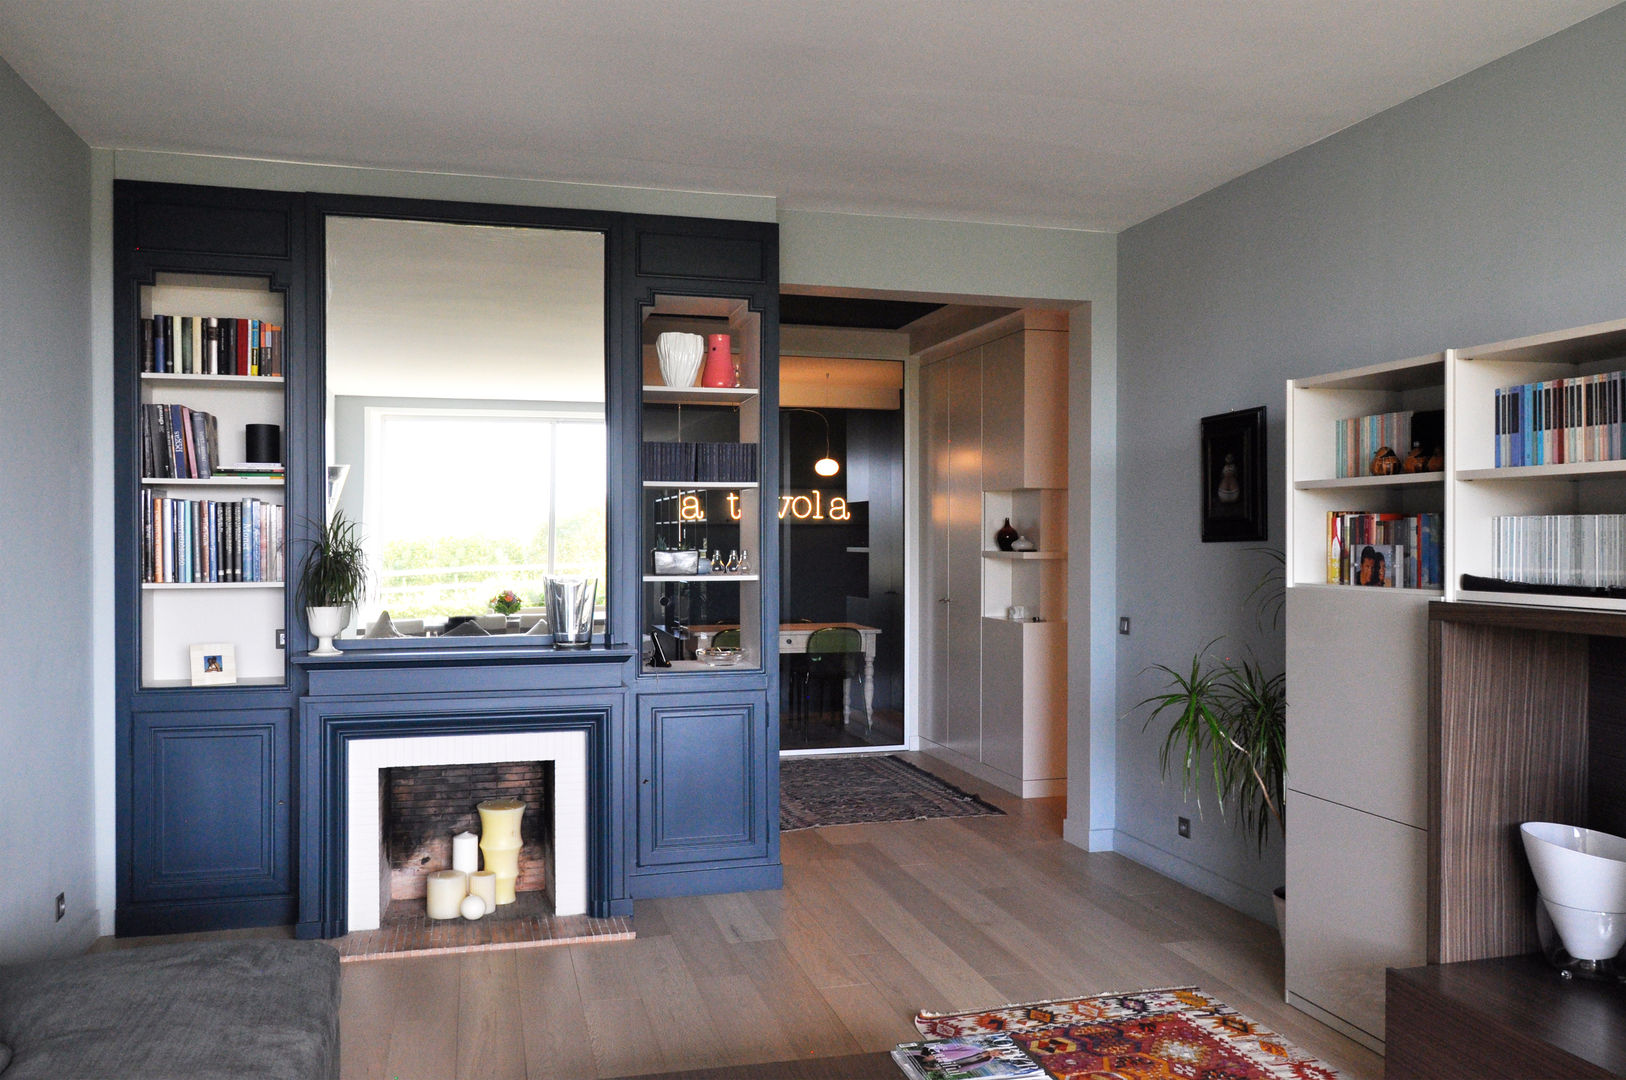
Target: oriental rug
[(816, 791), (1175, 1034)]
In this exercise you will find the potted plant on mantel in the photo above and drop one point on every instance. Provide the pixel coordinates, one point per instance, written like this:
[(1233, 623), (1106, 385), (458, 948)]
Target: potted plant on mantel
[(1232, 716), (332, 580)]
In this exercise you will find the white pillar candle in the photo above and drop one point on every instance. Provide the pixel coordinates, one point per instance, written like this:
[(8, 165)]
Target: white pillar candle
[(483, 883), (447, 888), (466, 852)]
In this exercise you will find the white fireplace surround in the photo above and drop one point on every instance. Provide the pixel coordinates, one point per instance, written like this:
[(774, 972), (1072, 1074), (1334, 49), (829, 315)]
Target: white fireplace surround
[(367, 880)]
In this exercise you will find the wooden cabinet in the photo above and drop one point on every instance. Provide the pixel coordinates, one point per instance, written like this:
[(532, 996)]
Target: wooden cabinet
[(995, 436), (213, 832), (704, 799)]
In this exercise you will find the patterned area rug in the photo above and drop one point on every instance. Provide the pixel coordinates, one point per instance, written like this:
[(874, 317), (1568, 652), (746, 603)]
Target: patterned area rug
[(1177, 1034), (849, 790)]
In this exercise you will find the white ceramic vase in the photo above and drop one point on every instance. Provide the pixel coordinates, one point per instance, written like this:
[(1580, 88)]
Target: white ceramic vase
[(326, 623), (680, 355)]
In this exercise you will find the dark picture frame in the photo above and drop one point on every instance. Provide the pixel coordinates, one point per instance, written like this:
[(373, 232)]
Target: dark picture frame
[(1233, 476)]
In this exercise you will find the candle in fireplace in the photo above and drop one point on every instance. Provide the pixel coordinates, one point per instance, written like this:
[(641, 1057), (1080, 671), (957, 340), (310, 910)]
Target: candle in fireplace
[(483, 883), (447, 888), (465, 852)]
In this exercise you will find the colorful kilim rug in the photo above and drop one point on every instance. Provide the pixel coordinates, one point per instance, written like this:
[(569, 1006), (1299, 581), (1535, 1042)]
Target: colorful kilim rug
[(817, 791), (1176, 1034)]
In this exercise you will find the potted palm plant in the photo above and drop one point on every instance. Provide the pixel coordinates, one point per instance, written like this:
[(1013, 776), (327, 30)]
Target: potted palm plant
[(332, 580)]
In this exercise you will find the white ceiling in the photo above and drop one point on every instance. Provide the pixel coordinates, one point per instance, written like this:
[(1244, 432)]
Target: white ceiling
[(1080, 113)]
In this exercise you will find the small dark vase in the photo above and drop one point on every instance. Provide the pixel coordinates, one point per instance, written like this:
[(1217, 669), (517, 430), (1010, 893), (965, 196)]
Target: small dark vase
[(1006, 536)]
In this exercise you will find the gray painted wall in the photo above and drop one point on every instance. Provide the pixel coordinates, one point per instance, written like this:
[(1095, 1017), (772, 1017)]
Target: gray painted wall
[(47, 796), (1491, 207)]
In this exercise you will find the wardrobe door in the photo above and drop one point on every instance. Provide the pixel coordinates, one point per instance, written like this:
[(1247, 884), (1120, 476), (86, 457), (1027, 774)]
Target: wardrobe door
[(933, 720), (963, 484)]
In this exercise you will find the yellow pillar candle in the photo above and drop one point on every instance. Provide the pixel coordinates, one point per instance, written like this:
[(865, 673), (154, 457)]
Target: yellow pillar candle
[(500, 842), (483, 883), (447, 888)]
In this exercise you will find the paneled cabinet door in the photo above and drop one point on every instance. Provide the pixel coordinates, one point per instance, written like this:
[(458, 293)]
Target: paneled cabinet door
[(209, 797), (702, 779)]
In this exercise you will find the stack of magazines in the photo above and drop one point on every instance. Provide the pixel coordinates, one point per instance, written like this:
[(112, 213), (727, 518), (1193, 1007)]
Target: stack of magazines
[(992, 1056)]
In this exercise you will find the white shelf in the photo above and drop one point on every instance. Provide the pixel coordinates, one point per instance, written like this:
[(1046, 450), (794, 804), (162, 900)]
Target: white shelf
[(179, 586), (702, 578), (1393, 481), (1568, 471), (699, 395), (217, 481), (1025, 555), (182, 379), (699, 484), (1398, 591)]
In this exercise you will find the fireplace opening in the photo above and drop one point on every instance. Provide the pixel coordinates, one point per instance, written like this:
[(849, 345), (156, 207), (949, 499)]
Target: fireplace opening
[(423, 806)]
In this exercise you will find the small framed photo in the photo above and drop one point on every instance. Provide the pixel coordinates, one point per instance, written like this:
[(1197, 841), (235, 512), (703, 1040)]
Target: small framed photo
[(214, 664), (1233, 476)]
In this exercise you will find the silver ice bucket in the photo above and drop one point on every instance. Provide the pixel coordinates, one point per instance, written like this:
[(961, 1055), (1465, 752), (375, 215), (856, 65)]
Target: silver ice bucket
[(570, 611)]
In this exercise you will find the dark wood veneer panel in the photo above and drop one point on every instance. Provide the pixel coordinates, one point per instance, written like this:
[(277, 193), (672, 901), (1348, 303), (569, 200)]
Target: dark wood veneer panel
[(1511, 1018), (201, 229), (714, 258), (1511, 747), (1606, 749)]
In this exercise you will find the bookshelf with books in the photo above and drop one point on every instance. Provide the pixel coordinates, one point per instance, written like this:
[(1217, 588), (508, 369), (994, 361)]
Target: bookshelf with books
[(1357, 667), (212, 562), (1538, 483)]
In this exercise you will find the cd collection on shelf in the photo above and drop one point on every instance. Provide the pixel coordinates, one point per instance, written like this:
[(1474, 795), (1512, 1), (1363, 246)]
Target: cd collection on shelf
[(1389, 550), (1585, 550), (1561, 421)]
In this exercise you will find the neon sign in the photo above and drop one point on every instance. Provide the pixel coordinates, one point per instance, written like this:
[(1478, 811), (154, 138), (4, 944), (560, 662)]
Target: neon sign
[(812, 505)]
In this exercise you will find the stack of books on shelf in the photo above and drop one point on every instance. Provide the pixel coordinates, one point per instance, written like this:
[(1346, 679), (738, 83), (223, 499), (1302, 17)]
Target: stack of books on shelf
[(178, 443), (1578, 550), (700, 462), (200, 540), (1386, 550), (1357, 440), (207, 345), (1561, 421)]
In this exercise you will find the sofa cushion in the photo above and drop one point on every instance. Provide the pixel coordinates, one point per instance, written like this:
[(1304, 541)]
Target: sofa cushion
[(217, 1010)]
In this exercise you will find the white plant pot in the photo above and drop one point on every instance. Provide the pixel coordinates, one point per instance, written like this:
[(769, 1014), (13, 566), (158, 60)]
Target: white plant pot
[(679, 355), (327, 623)]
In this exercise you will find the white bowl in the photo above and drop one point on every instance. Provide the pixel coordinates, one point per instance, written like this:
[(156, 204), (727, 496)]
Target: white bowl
[(1588, 935), (1577, 868), (680, 355)]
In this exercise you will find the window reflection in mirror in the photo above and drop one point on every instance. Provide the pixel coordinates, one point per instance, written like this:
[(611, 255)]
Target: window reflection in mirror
[(465, 416)]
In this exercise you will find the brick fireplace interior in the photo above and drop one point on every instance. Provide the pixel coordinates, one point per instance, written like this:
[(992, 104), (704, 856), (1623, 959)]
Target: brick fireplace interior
[(424, 805)]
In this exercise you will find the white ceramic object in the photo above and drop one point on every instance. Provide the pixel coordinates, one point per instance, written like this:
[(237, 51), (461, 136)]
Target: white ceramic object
[(1577, 868), (1588, 935), (326, 623), (473, 907), (680, 356)]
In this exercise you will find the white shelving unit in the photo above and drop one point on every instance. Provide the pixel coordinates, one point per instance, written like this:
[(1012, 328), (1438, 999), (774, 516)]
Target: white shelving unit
[(248, 615), (1480, 492)]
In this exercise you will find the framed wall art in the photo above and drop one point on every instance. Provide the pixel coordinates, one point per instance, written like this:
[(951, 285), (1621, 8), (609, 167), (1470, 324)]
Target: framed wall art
[(1233, 476)]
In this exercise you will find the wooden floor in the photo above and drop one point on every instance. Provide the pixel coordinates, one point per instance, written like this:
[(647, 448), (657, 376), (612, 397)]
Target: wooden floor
[(874, 923)]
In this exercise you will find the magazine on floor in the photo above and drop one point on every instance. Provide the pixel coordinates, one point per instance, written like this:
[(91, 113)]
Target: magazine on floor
[(992, 1056)]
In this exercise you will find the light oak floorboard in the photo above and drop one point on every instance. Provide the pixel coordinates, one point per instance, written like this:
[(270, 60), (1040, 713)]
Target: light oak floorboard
[(875, 922)]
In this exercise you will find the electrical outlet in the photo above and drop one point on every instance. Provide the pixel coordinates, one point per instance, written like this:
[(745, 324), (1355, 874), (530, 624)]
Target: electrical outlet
[(61, 905), (1123, 625), (1184, 827), (282, 638)]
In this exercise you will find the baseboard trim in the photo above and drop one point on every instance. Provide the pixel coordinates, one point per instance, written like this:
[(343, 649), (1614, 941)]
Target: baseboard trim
[(1365, 1038), (1204, 880)]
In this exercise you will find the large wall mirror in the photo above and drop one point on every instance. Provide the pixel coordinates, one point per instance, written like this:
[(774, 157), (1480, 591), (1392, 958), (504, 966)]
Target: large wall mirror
[(465, 417)]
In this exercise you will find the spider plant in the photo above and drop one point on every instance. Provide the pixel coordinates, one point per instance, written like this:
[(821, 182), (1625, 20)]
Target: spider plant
[(1232, 716)]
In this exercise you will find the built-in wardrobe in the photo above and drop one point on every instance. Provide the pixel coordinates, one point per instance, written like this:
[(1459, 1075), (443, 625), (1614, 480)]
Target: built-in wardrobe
[(994, 633)]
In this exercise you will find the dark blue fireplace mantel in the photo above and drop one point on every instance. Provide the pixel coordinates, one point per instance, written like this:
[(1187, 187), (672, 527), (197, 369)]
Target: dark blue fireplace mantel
[(490, 695)]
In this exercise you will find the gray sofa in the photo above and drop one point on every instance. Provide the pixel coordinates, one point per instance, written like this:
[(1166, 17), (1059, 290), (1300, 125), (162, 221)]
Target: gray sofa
[(219, 1010)]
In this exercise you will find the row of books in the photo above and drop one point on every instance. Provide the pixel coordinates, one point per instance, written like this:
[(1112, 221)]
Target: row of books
[(1387, 550), (179, 443), (1357, 440), (203, 540), (700, 461), (208, 345), (1586, 550), (1561, 421)]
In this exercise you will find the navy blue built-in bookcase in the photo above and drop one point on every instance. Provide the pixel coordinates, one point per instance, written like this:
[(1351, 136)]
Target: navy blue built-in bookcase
[(229, 810)]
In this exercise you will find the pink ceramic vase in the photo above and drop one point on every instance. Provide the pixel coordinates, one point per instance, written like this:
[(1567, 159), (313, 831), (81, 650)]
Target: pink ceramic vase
[(719, 369)]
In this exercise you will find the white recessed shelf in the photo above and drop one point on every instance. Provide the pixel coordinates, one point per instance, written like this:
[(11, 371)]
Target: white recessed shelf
[(703, 578), (214, 481), (1392, 481), (177, 378), (167, 586), (1567, 471), (699, 395)]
